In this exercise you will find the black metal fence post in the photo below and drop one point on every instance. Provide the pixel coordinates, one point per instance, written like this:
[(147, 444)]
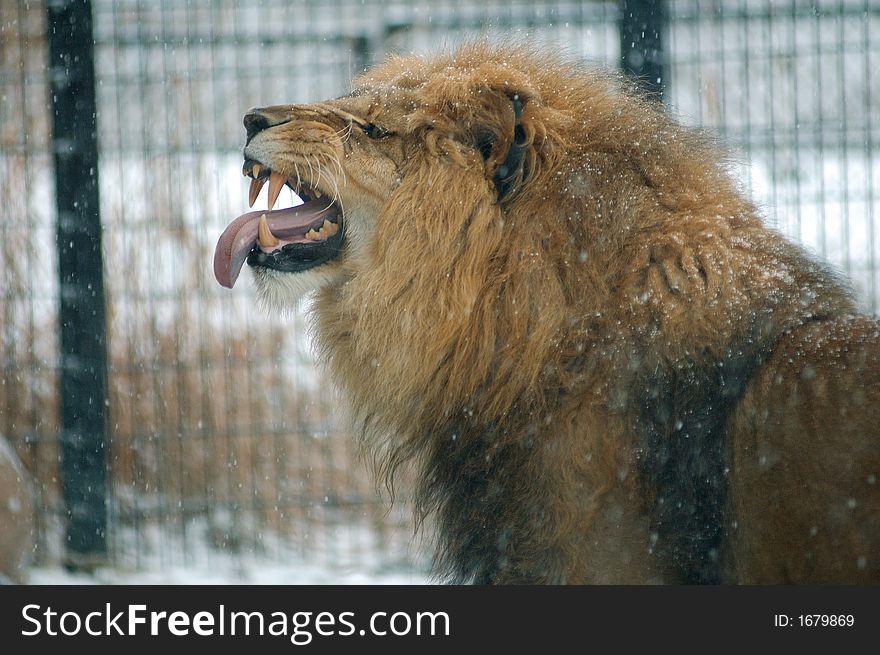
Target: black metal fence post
[(642, 24), (83, 375)]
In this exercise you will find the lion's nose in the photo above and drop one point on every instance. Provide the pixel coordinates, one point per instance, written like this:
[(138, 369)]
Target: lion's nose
[(255, 121), (260, 118)]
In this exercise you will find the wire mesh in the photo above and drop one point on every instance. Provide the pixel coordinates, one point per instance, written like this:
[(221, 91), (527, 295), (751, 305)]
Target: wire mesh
[(789, 86)]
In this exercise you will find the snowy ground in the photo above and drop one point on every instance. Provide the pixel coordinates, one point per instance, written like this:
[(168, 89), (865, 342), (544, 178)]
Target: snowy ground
[(155, 555), (223, 569), (252, 573)]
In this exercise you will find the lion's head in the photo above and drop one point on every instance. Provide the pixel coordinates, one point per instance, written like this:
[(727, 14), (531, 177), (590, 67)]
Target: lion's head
[(354, 159)]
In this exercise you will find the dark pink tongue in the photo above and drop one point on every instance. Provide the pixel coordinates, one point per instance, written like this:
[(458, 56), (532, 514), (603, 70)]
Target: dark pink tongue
[(239, 237)]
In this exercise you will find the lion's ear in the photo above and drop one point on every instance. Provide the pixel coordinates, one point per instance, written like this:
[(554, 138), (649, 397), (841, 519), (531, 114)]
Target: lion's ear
[(504, 144), (511, 171)]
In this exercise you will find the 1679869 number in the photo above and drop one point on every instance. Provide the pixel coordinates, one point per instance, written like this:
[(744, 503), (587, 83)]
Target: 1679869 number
[(826, 620)]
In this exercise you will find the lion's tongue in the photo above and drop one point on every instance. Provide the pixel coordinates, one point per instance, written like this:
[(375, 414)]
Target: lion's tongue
[(239, 237)]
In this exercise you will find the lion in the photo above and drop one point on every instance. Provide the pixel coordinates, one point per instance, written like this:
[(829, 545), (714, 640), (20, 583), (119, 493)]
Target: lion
[(556, 303)]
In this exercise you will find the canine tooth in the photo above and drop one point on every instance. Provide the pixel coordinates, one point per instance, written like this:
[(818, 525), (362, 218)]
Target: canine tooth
[(264, 234), (256, 186), (312, 235), (276, 182), (255, 170)]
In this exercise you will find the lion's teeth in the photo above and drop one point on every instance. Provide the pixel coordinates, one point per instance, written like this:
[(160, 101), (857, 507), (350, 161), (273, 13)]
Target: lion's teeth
[(328, 229), (316, 194), (255, 171), (264, 235), (256, 186), (311, 235), (276, 182)]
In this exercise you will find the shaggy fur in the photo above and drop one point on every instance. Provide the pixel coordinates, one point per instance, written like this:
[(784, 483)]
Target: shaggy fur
[(556, 302)]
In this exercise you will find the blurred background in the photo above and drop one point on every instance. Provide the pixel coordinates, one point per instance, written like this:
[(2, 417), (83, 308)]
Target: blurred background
[(159, 428)]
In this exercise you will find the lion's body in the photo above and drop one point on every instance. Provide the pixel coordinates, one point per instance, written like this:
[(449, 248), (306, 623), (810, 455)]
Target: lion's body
[(615, 373)]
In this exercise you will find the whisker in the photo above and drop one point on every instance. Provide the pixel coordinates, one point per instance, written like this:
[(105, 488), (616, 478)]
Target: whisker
[(311, 171), (298, 178), (333, 182), (344, 133), (317, 168), (331, 179), (340, 172)]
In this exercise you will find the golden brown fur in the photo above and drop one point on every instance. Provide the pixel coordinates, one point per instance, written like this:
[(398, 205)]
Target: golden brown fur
[(611, 372)]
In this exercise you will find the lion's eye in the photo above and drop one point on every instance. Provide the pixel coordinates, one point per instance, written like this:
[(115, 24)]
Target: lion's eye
[(374, 131)]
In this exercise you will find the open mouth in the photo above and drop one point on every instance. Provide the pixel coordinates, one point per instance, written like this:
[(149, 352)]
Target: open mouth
[(290, 240)]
